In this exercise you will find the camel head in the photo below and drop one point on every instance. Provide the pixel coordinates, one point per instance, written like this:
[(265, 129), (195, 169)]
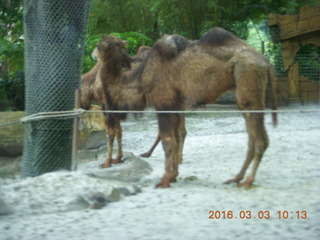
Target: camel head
[(113, 49)]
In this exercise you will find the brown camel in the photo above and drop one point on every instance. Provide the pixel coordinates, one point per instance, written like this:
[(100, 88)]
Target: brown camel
[(92, 91), (176, 73)]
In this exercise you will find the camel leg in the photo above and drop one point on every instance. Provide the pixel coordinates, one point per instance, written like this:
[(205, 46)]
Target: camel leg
[(118, 131), (250, 155), (250, 92), (258, 143), (110, 134), (150, 151), (259, 133), (182, 133), (168, 125), (113, 130)]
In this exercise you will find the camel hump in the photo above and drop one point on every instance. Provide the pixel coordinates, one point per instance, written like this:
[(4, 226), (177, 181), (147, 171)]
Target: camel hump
[(177, 42), (169, 46), (217, 37)]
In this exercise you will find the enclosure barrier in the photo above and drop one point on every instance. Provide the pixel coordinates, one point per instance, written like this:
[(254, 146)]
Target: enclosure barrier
[(80, 112), (76, 113), (54, 32)]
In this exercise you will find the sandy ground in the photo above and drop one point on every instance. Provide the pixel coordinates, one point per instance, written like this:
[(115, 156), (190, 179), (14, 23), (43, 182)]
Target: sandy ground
[(285, 194)]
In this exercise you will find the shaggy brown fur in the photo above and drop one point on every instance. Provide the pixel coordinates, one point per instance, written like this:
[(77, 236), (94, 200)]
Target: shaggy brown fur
[(92, 91), (171, 77), (141, 54)]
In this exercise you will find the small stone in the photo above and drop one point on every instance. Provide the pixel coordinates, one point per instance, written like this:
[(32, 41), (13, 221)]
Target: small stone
[(94, 200), (4, 208), (101, 200), (137, 189), (112, 194), (124, 191), (79, 203), (129, 191), (97, 200), (191, 179)]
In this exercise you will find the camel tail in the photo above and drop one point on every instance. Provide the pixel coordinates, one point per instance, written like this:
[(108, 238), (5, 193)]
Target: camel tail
[(273, 95)]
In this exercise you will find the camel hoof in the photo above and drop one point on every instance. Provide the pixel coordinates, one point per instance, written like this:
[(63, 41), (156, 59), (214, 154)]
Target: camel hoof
[(116, 161), (173, 180), (244, 185), (232, 181), (163, 185), (145, 155), (105, 165)]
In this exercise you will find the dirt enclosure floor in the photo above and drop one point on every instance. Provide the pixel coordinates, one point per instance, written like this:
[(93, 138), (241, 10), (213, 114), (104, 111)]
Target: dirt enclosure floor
[(283, 203)]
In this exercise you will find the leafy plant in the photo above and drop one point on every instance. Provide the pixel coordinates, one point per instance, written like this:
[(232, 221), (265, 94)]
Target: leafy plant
[(11, 56), (135, 40), (11, 75), (90, 44), (309, 62)]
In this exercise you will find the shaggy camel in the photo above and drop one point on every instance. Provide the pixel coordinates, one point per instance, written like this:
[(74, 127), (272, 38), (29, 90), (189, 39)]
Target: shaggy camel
[(178, 72), (92, 91)]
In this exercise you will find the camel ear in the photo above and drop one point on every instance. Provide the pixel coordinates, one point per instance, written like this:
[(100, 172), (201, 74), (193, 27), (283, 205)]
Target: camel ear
[(94, 54)]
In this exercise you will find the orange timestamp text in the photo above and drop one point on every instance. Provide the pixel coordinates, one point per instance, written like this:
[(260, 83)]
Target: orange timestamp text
[(246, 214)]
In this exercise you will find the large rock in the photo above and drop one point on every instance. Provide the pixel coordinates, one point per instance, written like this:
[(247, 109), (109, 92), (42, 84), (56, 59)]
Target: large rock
[(60, 192), (9, 166), (89, 187), (4, 208), (11, 136), (95, 200), (131, 170), (92, 130)]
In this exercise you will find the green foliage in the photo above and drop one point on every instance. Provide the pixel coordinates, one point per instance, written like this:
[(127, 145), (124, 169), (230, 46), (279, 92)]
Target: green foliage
[(11, 56), (309, 62), (135, 40), (11, 13), (190, 18), (90, 44), (12, 91), (11, 53), (140, 22), (11, 75), (108, 16)]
